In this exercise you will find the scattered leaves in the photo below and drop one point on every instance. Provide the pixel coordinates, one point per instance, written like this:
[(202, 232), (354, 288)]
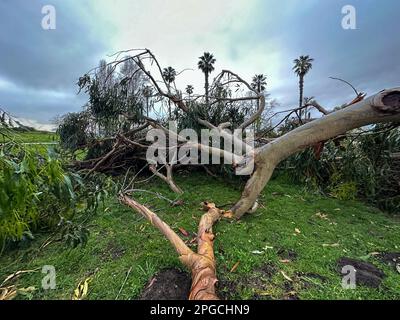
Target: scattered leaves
[(322, 216), (332, 245), (82, 290), (235, 266), (285, 261), (286, 276), (184, 232), (8, 293)]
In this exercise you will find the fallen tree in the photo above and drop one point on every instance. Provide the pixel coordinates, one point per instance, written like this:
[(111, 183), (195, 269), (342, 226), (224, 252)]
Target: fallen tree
[(382, 107), (130, 145)]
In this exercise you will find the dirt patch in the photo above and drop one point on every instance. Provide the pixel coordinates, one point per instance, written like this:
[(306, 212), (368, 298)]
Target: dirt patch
[(287, 254), (290, 292), (112, 252), (366, 273), (390, 258), (226, 289), (267, 270), (169, 284), (258, 280)]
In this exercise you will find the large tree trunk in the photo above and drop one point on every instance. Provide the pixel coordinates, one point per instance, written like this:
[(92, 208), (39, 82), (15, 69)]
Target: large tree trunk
[(202, 263), (380, 108)]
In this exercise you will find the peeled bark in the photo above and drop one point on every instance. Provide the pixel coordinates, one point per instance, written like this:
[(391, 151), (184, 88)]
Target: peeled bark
[(380, 108), (202, 263)]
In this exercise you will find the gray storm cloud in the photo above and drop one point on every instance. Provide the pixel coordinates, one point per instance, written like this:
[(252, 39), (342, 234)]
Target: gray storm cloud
[(39, 69)]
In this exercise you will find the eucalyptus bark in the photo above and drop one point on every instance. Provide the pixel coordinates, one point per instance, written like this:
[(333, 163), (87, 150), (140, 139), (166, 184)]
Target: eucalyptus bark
[(380, 108), (201, 264)]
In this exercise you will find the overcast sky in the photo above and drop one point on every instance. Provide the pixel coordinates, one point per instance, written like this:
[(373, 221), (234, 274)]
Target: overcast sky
[(39, 68)]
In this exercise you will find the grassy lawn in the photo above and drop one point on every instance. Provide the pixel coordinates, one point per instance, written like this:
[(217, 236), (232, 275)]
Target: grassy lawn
[(30, 137), (289, 247)]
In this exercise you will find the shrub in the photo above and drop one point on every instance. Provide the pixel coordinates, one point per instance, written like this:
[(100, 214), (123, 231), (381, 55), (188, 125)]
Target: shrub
[(36, 192), (359, 165)]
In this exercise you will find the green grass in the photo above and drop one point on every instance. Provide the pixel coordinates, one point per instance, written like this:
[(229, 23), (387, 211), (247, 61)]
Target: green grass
[(29, 136), (120, 239)]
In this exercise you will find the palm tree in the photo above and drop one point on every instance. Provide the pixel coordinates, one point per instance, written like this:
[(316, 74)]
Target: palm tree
[(259, 84), (189, 90), (206, 64), (147, 92), (169, 75), (301, 67)]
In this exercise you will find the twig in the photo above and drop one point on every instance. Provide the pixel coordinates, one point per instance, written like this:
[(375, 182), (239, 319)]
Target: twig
[(123, 284)]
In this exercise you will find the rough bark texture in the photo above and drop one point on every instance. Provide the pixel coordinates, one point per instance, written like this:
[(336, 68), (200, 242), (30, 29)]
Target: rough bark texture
[(202, 263), (380, 108)]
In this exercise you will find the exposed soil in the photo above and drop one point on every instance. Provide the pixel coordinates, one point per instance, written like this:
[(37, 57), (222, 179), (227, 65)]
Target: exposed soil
[(287, 254), (112, 252), (267, 270), (390, 258), (290, 292), (366, 273), (257, 280), (168, 284)]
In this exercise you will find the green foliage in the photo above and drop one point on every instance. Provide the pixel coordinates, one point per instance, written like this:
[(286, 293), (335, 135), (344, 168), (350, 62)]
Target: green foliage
[(345, 191), (359, 165), (114, 96), (36, 192), (73, 131)]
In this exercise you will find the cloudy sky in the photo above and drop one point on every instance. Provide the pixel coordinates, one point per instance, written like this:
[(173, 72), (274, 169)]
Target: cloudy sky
[(39, 68)]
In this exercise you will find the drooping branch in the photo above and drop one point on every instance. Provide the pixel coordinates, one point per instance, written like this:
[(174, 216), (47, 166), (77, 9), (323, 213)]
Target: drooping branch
[(380, 108), (201, 264), (105, 158)]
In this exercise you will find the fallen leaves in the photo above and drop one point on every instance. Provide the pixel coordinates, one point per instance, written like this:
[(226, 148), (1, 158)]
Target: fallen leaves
[(82, 290), (285, 261), (331, 245), (8, 293), (184, 232), (267, 247), (322, 216), (286, 276), (235, 267), (11, 291)]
